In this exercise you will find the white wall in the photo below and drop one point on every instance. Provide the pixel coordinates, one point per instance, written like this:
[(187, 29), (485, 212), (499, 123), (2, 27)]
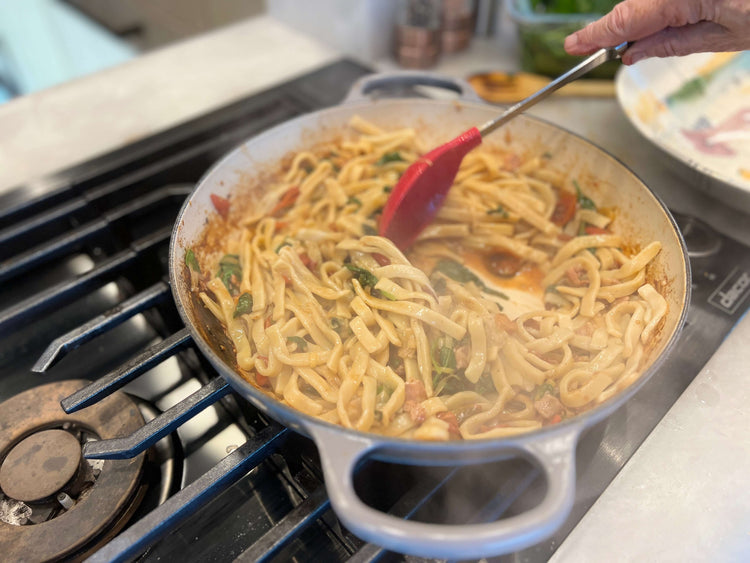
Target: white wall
[(362, 28)]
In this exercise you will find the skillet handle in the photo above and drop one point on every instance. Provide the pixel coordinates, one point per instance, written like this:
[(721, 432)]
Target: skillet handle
[(361, 89), (340, 454)]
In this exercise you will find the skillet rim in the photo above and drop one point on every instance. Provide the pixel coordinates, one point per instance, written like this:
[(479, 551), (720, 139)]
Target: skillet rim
[(299, 421)]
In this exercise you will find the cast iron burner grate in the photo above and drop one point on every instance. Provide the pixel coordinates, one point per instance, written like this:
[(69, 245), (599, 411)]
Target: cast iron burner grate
[(83, 273)]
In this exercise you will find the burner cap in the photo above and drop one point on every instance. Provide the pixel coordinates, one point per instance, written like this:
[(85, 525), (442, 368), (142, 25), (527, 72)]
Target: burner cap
[(27, 421), (40, 465)]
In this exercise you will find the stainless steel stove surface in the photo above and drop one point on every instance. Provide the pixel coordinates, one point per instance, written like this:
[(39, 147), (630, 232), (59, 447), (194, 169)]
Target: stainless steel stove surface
[(197, 472)]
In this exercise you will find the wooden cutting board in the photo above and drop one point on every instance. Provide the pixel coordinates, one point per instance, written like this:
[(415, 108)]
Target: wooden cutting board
[(507, 88)]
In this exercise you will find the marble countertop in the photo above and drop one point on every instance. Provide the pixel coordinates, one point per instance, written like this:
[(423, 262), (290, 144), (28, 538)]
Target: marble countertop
[(67, 124)]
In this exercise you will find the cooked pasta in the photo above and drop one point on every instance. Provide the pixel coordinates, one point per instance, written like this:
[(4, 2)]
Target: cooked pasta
[(517, 308)]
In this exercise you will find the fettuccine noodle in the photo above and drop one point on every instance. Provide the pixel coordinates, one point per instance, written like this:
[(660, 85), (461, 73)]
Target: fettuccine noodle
[(517, 308)]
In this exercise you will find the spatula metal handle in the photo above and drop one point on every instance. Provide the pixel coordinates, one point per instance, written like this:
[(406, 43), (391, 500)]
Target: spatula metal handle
[(598, 58)]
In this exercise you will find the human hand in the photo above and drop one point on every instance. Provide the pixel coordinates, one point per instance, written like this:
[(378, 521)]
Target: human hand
[(666, 28)]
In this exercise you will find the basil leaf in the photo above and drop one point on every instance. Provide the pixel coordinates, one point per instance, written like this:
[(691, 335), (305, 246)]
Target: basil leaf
[(384, 294), (230, 272), (499, 210), (443, 357), (462, 274), (299, 341), (341, 327), (369, 230), (454, 384), (583, 201), (484, 385), (282, 245), (388, 189), (365, 277), (449, 384), (448, 358), (499, 294), (395, 362), (354, 200), (390, 157), (439, 285), (543, 389), (244, 305), (456, 271), (382, 394), (191, 261)]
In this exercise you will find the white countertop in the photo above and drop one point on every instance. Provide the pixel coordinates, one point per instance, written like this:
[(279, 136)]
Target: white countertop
[(67, 124)]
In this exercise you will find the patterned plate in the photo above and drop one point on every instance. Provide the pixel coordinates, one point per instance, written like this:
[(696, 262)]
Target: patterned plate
[(697, 109)]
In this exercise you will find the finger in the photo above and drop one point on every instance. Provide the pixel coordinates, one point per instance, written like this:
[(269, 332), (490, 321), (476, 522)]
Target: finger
[(632, 20), (674, 42)]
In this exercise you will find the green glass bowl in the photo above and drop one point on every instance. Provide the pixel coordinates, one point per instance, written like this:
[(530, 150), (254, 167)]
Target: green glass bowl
[(541, 37)]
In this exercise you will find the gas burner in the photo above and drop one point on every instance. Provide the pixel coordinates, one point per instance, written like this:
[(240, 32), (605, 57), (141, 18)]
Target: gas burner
[(701, 240), (54, 503)]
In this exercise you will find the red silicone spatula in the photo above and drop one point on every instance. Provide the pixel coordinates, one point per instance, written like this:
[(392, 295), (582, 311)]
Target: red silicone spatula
[(421, 190)]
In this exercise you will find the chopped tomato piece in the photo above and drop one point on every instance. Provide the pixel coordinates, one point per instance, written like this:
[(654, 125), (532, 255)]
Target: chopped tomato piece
[(307, 261), (416, 411), (287, 280), (221, 204), (553, 357), (452, 421), (267, 322), (575, 274), (280, 226), (261, 379), (503, 322), (463, 355), (592, 230), (555, 419), (286, 201), (415, 391), (381, 259), (511, 162), (565, 208), (549, 407), (503, 264)]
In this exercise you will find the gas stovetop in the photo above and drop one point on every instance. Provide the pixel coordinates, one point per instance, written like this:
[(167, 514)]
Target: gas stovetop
[(87, 322)]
